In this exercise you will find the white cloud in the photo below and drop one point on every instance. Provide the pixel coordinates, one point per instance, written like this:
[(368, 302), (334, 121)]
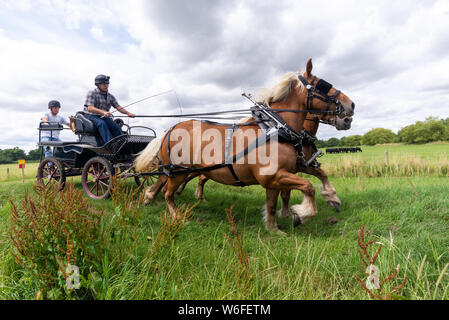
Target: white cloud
[(389, 57)]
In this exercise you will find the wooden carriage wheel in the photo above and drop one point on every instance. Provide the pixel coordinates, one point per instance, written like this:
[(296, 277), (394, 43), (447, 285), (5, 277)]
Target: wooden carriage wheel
[(51, 170), (96, 178)]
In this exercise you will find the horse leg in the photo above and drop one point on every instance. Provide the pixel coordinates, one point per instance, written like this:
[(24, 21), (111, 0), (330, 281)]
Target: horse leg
[(270, 210), (327, 190), (170, 188), (184, 184), (284, 212), (199, 192), (151, 192), (284, 180)]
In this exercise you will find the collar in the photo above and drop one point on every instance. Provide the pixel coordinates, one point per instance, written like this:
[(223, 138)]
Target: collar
[(99, 92)]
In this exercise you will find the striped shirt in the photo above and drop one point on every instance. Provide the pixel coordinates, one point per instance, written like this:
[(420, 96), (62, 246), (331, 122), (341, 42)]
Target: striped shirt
[(101, 101)]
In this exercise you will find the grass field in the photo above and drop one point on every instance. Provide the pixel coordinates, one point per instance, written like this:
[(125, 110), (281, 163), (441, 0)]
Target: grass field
[(392, 160), (409, 215), (11, 172)]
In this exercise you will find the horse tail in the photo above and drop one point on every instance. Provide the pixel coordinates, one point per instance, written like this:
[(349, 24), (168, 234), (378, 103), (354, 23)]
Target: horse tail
[(244, 120), (148, 159)]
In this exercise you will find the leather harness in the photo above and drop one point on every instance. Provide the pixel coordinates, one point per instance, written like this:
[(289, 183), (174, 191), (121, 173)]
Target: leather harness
[(272, 125)]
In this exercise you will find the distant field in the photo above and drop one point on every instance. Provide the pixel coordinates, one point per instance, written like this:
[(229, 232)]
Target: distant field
[(15, 173), (429, 151), (402, 160)]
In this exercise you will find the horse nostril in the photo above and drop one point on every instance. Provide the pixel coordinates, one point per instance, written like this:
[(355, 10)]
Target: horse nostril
[(347, 120)]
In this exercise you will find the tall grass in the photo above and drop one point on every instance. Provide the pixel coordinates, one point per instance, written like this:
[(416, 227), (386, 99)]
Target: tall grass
[(11, 172), (209, 258), (397, 166)]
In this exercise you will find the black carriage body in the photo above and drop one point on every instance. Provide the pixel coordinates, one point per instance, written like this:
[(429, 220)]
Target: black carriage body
[(72, 156), (120, 151)]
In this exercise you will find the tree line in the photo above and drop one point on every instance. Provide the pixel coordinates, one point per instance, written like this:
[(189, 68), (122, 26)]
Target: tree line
[(430, 130), (14, 154)]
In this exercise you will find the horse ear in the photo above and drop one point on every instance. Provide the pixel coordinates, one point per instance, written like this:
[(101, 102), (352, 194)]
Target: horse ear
[(309, 67)]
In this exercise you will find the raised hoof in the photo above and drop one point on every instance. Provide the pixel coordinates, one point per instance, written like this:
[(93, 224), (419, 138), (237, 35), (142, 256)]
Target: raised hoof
[(334, 205), (296, 220)]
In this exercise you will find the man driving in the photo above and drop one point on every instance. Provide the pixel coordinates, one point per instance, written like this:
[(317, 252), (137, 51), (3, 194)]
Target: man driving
[(97, 106)]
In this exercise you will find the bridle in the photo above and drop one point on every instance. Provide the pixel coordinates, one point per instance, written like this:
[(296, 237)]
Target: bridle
[(315, 119), (320, 91)]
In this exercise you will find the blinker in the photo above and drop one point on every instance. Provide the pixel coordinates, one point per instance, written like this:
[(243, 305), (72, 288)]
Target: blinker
[(323, 86)]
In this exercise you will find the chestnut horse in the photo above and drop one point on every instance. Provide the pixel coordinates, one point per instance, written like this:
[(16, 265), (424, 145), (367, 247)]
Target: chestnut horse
[(292, 98), (327, 190)]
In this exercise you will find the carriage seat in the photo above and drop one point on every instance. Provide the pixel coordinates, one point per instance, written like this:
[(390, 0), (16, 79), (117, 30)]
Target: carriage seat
[(83, 124)]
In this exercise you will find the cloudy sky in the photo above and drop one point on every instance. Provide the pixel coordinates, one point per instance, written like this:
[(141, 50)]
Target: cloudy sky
[(390, 57)]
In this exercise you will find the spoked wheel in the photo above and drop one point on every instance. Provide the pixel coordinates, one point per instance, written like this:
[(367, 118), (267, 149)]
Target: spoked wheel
[(51, 170), (96, 178)]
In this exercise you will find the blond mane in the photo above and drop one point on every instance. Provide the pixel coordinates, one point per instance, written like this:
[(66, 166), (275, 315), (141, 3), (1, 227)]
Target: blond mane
[(281, 89)]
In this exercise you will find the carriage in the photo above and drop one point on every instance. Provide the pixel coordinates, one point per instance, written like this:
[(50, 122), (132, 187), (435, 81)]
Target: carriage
[(96, 162)]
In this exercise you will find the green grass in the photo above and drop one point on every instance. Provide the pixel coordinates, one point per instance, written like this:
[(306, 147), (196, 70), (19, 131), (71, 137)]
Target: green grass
[(425, 151), (392, 160), (408, 213), (314, 261), (15, 174)]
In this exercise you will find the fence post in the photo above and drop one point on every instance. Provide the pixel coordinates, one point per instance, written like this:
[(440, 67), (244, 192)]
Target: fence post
[(7, 173), (386, 157)]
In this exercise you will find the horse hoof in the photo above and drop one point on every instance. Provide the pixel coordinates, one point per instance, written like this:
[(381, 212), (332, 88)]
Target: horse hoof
[(296, 220), (334, 205)]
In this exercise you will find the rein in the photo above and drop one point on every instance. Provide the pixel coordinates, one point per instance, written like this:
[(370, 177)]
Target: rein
[(322, 87)]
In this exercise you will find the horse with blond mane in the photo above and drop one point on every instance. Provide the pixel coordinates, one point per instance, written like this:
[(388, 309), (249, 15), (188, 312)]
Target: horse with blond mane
[(295, 95), (327, 190), (311, 126)]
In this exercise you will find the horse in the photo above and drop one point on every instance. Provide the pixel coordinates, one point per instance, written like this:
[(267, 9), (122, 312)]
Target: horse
[(327, 190), (291, 98)]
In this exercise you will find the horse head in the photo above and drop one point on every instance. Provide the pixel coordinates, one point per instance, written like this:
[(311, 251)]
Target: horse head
[(328, 103)]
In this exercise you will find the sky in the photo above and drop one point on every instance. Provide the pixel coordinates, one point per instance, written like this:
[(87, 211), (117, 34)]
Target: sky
[(390, 57)]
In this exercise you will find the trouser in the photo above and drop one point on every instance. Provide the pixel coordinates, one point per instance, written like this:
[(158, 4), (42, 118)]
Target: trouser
[(48, 151), (107, 128)]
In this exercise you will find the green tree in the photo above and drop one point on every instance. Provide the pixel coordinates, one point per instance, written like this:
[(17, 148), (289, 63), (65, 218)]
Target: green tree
[(321, 144), (11, 155), (354, 140), (425, 131), (34, 154), (333, 142), (445, 121), (378, 136)]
